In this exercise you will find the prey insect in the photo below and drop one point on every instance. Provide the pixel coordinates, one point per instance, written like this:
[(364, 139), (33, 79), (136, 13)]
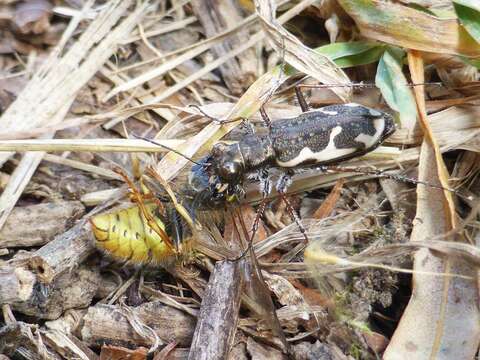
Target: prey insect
[(140, 234), (126, 235)]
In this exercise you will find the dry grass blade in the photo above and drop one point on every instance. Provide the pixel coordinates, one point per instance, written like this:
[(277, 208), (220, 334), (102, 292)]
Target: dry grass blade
[(96, 145), (82, 166), (458, 134), (48, 96), (323, 263), (249, 104), (463, 251), (445, 307), (298, 55)]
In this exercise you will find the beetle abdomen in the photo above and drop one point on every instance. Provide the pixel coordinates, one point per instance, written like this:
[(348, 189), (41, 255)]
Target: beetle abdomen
[(330, 134)]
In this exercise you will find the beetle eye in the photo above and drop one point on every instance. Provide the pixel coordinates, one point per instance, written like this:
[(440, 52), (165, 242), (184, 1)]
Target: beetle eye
[(229, 170)]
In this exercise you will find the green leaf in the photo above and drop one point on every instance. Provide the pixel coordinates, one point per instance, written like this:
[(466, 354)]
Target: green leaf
[(349, 54), (468, 12), (391, 81)]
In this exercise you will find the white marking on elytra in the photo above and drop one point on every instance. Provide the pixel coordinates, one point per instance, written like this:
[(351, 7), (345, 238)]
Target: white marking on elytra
[(329, 153), (371, 140), (352, 105), (374, 112), (328, 112)]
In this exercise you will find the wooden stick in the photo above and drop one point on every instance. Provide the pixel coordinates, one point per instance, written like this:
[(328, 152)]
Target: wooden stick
[(136, 326), (217, 322), (35, 225), (16, 284), (65, 252)]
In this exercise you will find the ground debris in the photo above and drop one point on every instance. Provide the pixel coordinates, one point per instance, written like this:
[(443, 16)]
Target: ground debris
[(328, 273)]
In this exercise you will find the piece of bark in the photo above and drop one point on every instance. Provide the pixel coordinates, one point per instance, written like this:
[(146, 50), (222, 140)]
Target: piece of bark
[(239, 351), (68, 346), (318, 350), (36, 225), (217, 321), (197, 284), (63, 253), (72, 290), (20, 341), (109, 324), (68, 323), (263, 352), (108, 284), (16, 284), (257, 298), (217, 16), (177, 354)]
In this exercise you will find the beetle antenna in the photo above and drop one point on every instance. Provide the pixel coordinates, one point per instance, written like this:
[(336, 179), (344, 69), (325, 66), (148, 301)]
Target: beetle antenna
[(199, 109), (381, 173), (221, 122), (364, 85), (169, 149)]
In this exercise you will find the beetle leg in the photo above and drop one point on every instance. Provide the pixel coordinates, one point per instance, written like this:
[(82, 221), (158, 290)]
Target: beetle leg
[(266, 119), (265, 182), (137, 197), (218, 121), (283, 183), (301, 99), (266, 188), (384, 174)]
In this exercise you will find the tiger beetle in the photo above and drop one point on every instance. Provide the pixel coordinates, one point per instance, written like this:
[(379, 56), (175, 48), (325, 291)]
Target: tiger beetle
[(323, 136), (319, 137)]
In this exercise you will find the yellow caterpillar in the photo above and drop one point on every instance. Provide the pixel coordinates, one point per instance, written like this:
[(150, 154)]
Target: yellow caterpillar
[(128, 235)]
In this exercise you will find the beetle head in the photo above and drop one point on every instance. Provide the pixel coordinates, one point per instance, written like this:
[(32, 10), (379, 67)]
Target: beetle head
[(227, 162)]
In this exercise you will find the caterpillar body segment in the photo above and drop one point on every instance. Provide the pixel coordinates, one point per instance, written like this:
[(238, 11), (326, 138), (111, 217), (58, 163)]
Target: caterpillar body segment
[(126, 235)]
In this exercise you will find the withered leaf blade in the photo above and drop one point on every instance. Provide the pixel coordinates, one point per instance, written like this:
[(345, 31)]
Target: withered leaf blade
[(400, 25)]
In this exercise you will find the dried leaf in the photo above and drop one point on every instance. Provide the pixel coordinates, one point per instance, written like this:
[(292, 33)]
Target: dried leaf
[(400, 25), (328, 205), (110, 352), (298, 55), (442, 317)]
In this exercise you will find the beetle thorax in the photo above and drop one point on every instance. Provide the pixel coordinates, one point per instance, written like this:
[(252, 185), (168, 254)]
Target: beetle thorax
[(232, 161)]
